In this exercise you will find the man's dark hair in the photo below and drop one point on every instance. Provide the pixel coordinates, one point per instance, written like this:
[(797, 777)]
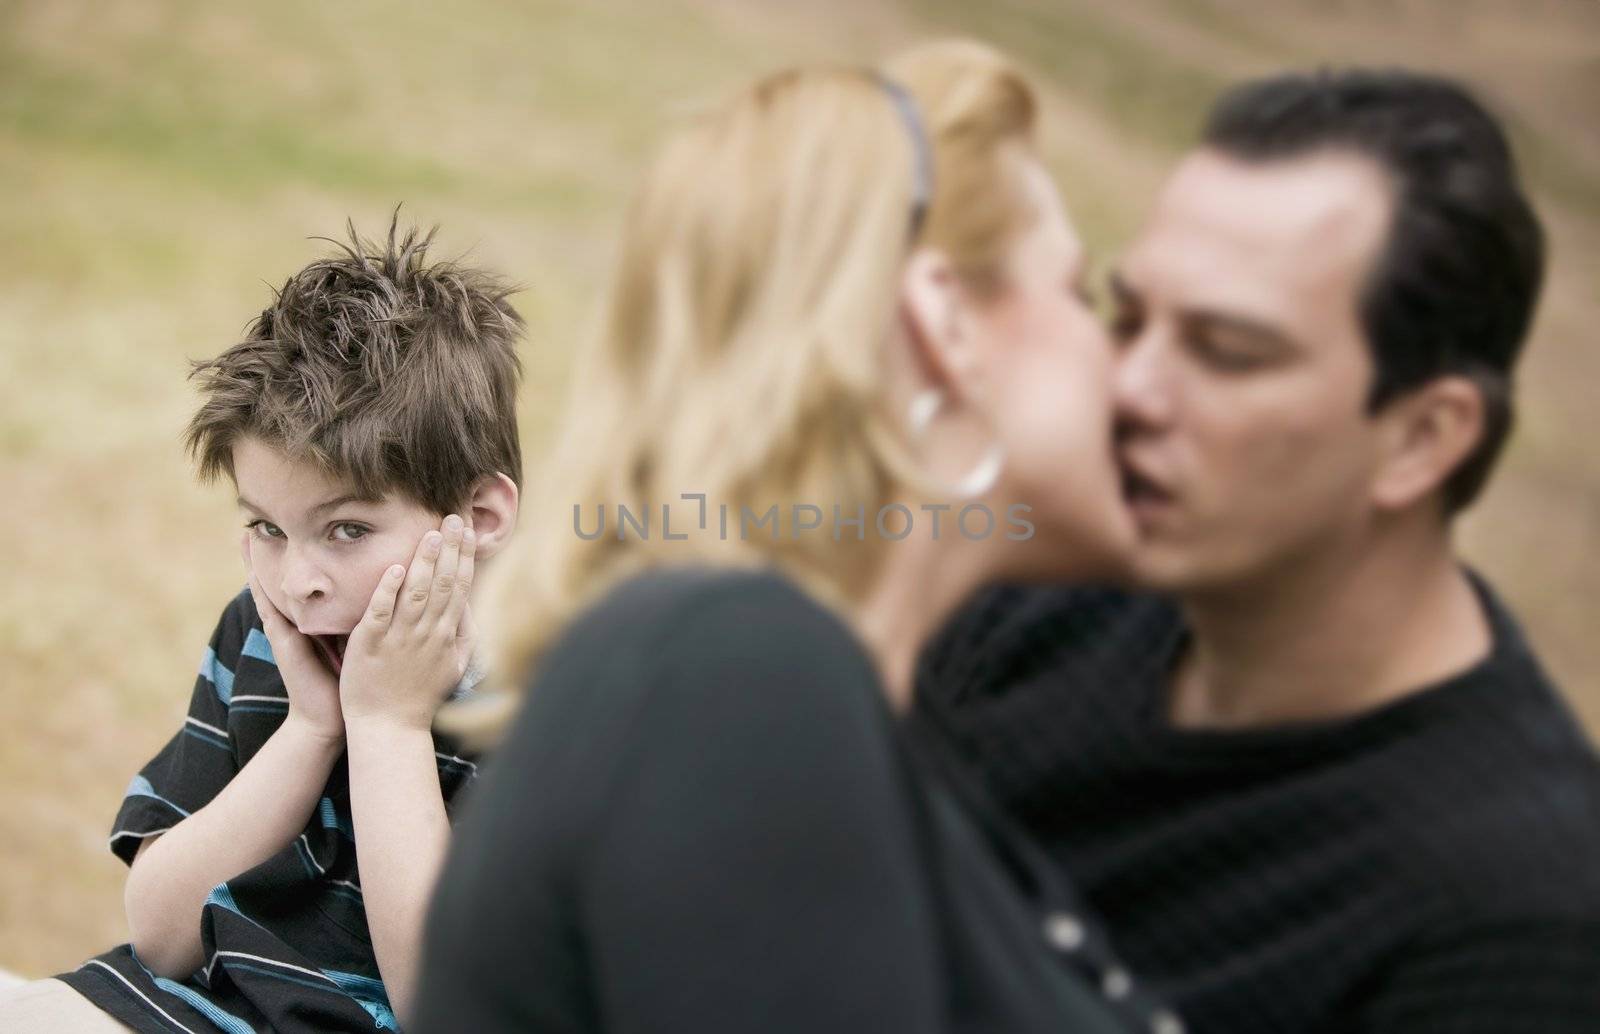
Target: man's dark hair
[(1454, 288)]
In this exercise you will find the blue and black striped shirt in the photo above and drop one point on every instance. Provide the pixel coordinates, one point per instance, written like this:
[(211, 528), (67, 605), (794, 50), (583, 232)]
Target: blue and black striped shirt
[(286, 943)]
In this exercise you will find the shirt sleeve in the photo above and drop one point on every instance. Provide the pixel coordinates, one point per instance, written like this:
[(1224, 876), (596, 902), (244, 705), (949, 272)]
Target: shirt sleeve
[(199, 760), (1531, 976)]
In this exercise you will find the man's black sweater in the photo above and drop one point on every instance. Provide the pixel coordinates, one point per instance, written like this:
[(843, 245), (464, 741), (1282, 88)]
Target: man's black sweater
[(1433, 865)]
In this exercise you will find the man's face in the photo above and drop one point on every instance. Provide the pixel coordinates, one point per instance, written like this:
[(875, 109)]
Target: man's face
[(1242, 371), (317, 552)]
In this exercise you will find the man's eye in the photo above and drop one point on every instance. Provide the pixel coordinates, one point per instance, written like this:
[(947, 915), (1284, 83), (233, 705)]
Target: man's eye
[(1224, 357), (265, 529), (1125, 324), (349, 532)]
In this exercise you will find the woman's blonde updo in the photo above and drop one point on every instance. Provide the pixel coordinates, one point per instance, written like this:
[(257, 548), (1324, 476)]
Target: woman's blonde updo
[(741, 350)]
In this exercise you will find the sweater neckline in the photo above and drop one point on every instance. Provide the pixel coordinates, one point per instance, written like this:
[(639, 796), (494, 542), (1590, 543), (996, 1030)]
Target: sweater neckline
[(1456, 696)]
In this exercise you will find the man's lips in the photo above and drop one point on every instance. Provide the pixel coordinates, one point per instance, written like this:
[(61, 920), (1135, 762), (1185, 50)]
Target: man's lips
[(1143, 492)]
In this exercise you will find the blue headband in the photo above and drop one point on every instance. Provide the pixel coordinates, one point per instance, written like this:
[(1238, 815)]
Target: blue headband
[(922, 152)]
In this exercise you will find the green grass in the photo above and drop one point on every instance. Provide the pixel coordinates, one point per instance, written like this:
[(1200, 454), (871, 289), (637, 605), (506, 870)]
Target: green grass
[(161, 163)]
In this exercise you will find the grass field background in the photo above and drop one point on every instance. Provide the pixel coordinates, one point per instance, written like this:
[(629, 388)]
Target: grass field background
[(161, 163)]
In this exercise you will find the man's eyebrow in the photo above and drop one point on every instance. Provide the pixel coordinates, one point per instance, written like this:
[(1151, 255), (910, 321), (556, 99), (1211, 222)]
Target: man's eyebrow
[(1121, 288), (1260, 330)]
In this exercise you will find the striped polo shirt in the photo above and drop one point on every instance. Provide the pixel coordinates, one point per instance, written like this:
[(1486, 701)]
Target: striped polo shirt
[(286, 944)]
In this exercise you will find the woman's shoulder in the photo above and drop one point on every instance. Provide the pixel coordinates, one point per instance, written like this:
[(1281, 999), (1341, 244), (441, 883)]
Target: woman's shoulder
[(728, 679), (673, 595), (667, 611), (706, 635)]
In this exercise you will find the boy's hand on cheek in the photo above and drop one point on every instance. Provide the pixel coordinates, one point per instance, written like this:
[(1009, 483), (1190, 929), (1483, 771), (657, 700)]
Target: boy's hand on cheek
[(405, 655), (312, 686)]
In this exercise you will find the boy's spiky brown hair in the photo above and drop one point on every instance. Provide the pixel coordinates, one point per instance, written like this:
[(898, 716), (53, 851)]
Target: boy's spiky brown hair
[(389, 372)]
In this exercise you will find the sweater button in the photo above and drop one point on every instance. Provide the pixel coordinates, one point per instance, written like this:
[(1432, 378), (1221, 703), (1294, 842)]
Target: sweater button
[(1165, 1022), (1064, 932), (1116, 983)]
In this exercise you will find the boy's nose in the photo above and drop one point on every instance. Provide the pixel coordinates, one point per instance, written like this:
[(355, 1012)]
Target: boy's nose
[(303, 580)]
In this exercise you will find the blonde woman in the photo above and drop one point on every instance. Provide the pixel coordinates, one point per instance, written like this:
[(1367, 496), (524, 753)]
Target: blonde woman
[(847, 375)]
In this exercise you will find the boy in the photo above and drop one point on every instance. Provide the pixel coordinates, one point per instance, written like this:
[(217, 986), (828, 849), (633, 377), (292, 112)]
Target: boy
[(368, 421)]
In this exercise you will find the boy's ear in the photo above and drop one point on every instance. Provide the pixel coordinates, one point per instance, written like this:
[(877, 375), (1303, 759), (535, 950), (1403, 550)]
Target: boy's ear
[(492, 513)]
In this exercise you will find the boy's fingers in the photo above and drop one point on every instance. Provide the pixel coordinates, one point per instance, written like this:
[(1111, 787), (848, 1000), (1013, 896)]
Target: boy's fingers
[(381, 610), (447, 568), (419, 578), (463, 581)]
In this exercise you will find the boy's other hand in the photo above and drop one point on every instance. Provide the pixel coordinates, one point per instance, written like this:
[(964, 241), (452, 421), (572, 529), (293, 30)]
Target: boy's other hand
[(409, 650), (312, 686)]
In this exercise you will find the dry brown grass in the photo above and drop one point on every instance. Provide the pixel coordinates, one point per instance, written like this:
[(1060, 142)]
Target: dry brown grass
[(160, 162)]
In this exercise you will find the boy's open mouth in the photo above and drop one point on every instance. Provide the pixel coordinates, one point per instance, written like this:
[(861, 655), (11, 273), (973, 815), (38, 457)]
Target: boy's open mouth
[(332, 649)]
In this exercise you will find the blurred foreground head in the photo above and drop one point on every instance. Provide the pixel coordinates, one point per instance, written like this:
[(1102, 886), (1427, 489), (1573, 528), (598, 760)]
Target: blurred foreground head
[(798, 266)]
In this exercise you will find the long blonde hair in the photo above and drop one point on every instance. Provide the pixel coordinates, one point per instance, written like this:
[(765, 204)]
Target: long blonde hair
[(741, 350)]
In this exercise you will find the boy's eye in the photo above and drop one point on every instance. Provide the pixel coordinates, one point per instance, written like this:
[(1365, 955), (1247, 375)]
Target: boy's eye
[(346, 532), (265, 529)]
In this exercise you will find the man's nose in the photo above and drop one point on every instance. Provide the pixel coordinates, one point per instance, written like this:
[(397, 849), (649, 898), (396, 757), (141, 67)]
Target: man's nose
[(303, 578), (1143, 393)]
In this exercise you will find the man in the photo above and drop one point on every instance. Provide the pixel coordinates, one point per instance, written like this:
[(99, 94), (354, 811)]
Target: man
[(1309, 771)]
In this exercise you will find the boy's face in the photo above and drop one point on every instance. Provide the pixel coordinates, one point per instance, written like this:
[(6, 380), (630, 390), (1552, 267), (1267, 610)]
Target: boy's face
[(317, 551)]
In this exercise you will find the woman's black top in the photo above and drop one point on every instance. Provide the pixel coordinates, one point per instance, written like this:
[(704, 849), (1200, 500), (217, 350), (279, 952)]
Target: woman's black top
[(704, 820)]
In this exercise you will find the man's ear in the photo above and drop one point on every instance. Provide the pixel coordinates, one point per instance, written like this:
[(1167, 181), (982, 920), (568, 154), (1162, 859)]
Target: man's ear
[(492, 513), (938, 321), (1426, 436)]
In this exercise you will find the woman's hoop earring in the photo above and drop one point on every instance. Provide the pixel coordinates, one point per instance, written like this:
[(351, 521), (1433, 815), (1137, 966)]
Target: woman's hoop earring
[(982, 477)]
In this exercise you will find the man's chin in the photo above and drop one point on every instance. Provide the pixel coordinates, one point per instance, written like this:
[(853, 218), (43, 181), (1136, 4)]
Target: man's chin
[(1155, 566)]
